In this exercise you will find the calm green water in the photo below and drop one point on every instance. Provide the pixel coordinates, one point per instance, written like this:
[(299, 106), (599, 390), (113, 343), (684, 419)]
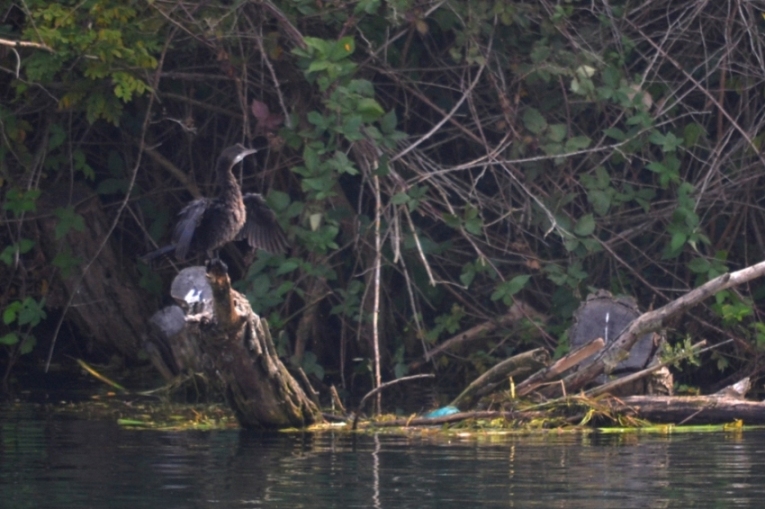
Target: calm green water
[(81, 464)]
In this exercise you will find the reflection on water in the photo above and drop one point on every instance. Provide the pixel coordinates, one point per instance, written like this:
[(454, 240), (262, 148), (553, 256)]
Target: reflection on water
[(81, 464)]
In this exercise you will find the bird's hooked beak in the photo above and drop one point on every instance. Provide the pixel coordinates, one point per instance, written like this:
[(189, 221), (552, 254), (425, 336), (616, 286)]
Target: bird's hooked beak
[(244, 152)]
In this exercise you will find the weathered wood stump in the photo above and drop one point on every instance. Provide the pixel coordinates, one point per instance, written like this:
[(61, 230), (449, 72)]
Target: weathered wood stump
[(604, 316), (238, 346)]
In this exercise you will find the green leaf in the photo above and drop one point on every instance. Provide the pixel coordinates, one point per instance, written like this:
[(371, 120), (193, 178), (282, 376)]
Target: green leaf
[(389, 122), (557, 132), (310, 159), (317, 119), (10, 312), (19, 201), (342, 164), (9, 339), (468, 274), (600, 200), (261, 285), (669, 142), (311, 365), (319, 45), (400, 369), (615, 133), (283, 288), (342, 49), (656, 167), (278, 200), (506, 289), (8, 254), (516, 284), (699, 265), (571, 244), (383, 170), (474, 225), (28, 344), (585, 226), (319, 65), (591, 245), (367, 7), (287, 266), (68, 220), (534, 121), (370, 109), (323, 183), (611, 76), (678, 241), (451, 220), (540, 52), (400, 199), (692, 133), (65, 262), (352, 128), (295, 209), (577, 143), (31, 312), (57, 137)]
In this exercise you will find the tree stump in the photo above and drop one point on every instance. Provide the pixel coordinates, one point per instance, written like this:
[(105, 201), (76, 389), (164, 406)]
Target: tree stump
[(238, 344), (604, 316)]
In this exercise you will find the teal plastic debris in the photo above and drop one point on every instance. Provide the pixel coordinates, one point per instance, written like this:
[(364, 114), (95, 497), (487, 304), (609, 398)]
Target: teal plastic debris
[(442, 412)]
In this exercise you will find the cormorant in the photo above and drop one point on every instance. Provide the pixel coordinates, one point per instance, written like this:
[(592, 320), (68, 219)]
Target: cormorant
[(207, 224)]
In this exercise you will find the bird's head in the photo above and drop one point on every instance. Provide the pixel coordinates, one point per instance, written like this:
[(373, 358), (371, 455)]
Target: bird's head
[(236, 153)]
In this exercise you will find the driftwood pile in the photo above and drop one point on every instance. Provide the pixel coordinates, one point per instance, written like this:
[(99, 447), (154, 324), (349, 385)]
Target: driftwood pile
[(613, 358)]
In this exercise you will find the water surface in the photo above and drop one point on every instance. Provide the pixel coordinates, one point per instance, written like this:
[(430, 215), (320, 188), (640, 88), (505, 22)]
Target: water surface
[(54, 463)]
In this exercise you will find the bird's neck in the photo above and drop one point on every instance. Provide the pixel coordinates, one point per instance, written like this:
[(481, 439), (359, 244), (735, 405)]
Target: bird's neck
[(229, 187)]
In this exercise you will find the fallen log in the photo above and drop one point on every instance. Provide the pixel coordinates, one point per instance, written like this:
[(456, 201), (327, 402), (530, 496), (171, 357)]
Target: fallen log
[(690, 409)]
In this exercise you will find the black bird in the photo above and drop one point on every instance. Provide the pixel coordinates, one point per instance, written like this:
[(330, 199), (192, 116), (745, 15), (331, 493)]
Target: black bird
[(207, 224)]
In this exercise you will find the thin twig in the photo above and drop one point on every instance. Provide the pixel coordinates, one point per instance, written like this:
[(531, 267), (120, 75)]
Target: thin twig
[(376, 310), (25, 44)]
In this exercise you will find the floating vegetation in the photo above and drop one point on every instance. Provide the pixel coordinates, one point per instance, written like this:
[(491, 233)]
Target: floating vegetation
[(144, 413)]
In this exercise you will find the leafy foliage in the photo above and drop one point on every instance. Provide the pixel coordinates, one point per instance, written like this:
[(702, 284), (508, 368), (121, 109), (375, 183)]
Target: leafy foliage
[(517, 153), (98, 50)]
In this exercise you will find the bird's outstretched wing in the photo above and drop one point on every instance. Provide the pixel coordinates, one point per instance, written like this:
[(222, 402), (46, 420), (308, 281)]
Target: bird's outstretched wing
[(261, 229), (188, 220)]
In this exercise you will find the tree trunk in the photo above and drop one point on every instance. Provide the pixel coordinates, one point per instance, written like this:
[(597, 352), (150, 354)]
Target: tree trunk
[(108, 305), (261, 391)]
